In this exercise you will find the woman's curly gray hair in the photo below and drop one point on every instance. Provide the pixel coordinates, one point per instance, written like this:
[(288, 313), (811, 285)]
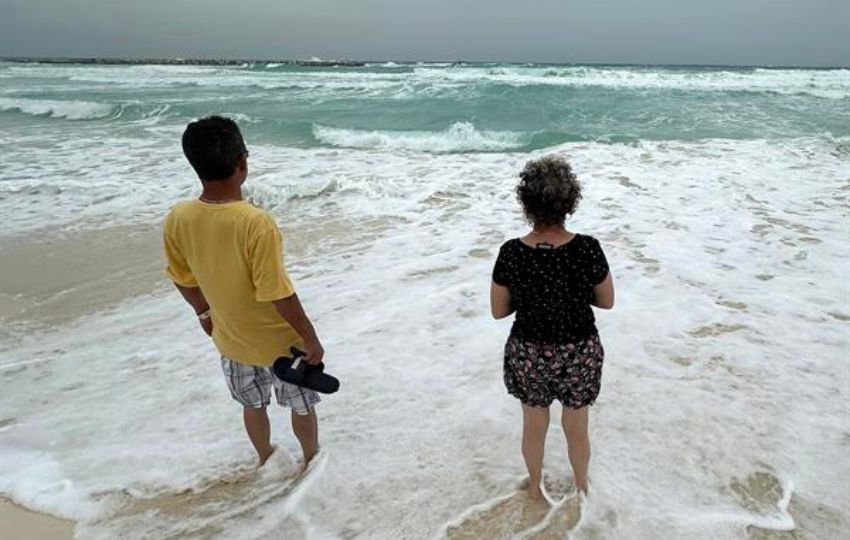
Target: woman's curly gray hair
[(548, 190)]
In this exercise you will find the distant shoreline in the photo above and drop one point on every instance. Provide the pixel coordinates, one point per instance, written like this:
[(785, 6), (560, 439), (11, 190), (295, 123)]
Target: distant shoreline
[(362, 63), (180, 61)]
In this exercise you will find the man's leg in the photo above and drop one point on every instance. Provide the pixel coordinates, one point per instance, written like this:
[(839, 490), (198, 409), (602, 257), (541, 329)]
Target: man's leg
[(574, 422), (259, 431), (306, 428), (535, 424)]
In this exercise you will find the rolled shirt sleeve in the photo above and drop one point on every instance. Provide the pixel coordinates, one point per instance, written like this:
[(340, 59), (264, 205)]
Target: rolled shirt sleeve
[(268, 273), (177, 269)]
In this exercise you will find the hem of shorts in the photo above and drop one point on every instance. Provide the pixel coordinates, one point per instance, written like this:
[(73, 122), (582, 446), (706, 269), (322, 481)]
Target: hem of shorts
[(299, 410), (527, 404), (590, 403), (252, 407), (574, 339), (244, 362)]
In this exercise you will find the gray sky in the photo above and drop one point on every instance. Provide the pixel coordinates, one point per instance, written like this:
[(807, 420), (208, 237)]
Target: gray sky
[(773, 32)]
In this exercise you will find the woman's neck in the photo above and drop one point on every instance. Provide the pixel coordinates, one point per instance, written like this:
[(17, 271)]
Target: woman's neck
[(553, 235), (549, 230)]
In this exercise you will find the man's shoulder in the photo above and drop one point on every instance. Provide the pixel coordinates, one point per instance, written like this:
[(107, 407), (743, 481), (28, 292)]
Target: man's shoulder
[(181, 207), (258, 217), (177, 211)]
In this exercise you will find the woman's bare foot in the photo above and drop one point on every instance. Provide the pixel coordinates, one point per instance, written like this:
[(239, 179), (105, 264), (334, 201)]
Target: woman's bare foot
[(534, 492), (581, 486)]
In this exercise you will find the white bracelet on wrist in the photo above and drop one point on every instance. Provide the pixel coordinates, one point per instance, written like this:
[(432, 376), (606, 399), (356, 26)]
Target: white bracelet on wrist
[(205, 315)]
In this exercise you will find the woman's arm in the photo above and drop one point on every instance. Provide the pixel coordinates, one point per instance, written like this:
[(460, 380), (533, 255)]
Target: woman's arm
[(603, 294), (500, 301)]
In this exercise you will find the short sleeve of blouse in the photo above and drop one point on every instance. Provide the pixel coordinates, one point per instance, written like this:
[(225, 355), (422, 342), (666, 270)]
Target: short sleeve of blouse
[(503, 269), (597, 264)]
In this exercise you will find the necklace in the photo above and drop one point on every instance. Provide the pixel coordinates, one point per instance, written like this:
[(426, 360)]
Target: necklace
[(208, 201)]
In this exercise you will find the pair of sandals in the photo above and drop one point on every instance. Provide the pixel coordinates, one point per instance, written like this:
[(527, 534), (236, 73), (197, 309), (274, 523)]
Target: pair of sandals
[(294, 370)]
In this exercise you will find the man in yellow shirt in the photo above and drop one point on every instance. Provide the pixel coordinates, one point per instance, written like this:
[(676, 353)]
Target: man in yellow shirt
[(225, 256)]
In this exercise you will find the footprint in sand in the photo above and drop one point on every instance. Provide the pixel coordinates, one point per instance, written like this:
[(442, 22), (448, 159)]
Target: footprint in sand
[(717, 329), (429, 272), (763, 493), (479, 253), (760, 492), (740, 306)]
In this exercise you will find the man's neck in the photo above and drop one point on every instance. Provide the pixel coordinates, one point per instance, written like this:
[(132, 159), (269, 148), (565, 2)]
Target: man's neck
[(222, 190)]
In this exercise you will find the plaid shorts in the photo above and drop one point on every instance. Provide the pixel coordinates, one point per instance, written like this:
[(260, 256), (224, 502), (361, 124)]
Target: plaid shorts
[(252, 386)]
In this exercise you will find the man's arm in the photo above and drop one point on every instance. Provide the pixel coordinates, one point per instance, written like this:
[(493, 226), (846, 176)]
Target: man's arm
[(194, 296), (290, 309)]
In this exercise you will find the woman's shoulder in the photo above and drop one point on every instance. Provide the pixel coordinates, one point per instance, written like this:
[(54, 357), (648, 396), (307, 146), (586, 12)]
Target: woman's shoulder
[(511, 244), (585, 240)]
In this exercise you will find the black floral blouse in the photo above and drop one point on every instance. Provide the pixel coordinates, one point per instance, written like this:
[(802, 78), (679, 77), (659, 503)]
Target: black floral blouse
[(552, 288)]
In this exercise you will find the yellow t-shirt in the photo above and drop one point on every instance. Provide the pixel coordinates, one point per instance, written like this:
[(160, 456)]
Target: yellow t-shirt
[(234, 253)]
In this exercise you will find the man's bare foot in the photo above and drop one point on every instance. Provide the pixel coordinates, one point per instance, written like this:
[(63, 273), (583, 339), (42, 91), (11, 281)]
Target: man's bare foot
[(307, 459), (265, 458)]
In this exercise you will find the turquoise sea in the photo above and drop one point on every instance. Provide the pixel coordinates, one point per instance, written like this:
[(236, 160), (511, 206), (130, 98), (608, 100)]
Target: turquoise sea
[(438, 107)]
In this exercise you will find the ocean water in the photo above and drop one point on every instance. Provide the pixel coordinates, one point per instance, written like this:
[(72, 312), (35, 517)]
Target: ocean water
[(721, 197)]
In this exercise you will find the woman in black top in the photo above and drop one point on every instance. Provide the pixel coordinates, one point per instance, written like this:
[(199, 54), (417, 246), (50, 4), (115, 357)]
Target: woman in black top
[(550, 278)]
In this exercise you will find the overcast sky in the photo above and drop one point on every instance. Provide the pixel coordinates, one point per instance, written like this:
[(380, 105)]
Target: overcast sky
[(772, 32)]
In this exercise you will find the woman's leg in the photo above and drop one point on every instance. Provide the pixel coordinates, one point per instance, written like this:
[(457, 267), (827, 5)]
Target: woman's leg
[(574, 422), (535, 423)]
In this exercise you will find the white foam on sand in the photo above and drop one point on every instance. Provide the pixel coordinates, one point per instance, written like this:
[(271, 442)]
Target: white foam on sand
[(724, 353)]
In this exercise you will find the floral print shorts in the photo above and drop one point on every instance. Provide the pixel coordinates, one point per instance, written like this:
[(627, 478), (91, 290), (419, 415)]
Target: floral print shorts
[(539, 373)]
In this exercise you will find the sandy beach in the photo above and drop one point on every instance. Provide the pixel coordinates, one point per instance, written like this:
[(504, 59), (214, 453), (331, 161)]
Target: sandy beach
[(56, 277), (21, 524)]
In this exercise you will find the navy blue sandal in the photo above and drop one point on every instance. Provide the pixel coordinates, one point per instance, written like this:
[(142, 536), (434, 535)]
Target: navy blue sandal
[(295, 371)]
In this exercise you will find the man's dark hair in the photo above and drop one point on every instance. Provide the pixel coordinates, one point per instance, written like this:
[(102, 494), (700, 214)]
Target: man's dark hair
[(548, 190), (213, 146)]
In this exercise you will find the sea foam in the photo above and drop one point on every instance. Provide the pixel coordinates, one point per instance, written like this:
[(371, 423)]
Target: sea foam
[(727, 257), (70, 110), (459, 137)]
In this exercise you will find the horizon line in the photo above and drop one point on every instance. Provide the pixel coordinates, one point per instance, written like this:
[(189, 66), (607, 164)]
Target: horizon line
[(306, 62)]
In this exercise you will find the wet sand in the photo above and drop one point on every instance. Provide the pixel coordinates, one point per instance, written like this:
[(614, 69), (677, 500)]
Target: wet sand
[(21, 524), (50, 279)]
